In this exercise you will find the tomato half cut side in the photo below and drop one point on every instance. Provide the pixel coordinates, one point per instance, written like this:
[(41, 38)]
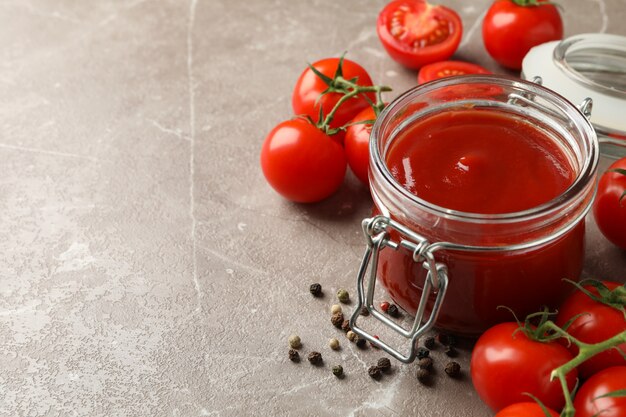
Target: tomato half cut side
[(416, 33), (445, 69)]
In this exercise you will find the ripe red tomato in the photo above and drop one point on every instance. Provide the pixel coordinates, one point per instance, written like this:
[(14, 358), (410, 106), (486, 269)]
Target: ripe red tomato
[(527, 409), (357, 142), (510, 29), (306, 94), (301, 162), (587, 403), (448, 69), (608, 210), (505, 364), (416, 33), (597, 322)]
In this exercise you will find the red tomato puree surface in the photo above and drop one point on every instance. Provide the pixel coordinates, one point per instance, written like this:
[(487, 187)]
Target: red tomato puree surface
[(483, 161), (479, 161)]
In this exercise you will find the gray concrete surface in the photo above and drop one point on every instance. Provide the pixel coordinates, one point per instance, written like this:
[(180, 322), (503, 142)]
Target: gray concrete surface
[(146, 269)]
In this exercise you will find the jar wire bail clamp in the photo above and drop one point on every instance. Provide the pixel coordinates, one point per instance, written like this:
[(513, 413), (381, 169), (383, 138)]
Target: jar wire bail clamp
[(376, 231)]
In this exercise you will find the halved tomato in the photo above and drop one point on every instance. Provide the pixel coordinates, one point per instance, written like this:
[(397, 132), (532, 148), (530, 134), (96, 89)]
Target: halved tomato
[(416, 33), (444, 69)]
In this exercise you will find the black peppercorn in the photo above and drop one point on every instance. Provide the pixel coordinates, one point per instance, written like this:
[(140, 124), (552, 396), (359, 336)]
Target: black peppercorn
[(315, 358), (425, 363), (294, 356), (374, 372), (338, 371), (423, 375), (393, 310), (429, 342), (384, 364), (337, 319), (422, 352), (316, 290), (365, 311), (450, 351), (345, 326), (361, 343), (453, 369)]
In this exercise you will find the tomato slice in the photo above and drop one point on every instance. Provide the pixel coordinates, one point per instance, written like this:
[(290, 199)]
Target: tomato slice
[(416, 33), (448, 69)]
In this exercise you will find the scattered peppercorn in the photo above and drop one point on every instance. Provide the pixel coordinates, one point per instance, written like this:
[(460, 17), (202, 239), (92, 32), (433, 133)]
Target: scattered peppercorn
[(343, 296), (429, 342), (384, 306), (338, 371), (384, 364), (345, 326), (361, 343), (423, 375), (425, 363), (294, 341), (373, 345), (315, 358), (333, 343), (374, 372), (422, 352), (336, 308), (450, 351), (365, 311), (352, 336), (453, 369), (316, 290), (337, 319), (393, 310), (294, 356)]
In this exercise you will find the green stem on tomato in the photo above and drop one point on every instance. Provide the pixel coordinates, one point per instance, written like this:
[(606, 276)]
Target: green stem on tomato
[(585, 352), (351, 90)]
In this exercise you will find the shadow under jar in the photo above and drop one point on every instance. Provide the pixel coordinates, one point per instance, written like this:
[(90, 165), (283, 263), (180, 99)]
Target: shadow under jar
[(487, 180)]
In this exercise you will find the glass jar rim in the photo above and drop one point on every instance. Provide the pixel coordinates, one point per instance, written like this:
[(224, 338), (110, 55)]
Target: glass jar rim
[(580, 183)]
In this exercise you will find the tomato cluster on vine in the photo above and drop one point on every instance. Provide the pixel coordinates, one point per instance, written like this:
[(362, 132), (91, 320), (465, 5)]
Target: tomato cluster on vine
[(305, 159)]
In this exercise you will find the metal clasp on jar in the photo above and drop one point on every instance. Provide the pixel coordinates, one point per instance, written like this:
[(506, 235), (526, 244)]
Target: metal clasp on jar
[(376, 230)]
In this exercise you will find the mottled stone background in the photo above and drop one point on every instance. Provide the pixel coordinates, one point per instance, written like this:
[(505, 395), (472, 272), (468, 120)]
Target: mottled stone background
[(146, 269)]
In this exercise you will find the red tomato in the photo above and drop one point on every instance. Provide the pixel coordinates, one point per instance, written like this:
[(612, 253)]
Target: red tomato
[(505, 364), (597, 322), (306, 94), (357, 142), (448, 69), (301, 162), (608, 210), (510, 30), (416, 33), (587, 403), (527, 409)]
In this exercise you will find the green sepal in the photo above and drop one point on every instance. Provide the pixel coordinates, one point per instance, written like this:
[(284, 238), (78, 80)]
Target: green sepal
[(543, 407), (323, 77)]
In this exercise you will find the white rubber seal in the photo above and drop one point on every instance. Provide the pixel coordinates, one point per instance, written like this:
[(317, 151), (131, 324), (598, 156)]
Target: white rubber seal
[(549, 61)]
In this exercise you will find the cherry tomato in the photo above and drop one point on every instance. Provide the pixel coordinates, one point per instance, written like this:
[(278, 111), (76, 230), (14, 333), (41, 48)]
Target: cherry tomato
[(357, 141), (608, 210), (510, 30), (597, 322), (416, 33), (587, 403), (527, 409), (506, 364), (301, 162), (306, 98), (448, 69)]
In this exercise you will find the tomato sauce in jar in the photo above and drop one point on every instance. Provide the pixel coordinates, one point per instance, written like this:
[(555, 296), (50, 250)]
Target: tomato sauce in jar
[(503, 181)]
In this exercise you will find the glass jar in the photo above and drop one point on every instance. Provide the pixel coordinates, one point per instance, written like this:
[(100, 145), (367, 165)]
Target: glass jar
[(452, 269)]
